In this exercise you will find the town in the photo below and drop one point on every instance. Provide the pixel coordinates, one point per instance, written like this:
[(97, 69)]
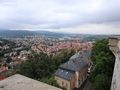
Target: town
[(18, 49), (71, 58), (59, 45)]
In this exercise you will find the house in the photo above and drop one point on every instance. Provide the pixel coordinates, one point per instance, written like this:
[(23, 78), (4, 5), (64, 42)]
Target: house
[(3, 68), (73, 73), (2, 77)]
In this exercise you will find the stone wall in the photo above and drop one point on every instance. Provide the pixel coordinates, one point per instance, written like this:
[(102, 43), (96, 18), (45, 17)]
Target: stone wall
[(114, 45)]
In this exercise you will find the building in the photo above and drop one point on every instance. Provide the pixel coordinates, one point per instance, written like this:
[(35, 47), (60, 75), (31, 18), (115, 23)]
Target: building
[(20, 82), (114, 45), (73, 73)]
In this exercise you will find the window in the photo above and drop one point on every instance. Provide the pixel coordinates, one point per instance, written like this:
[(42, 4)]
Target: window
[(83, 78), (79, 82), (66, 85), (86, 75), (62, 83), (66, 72)]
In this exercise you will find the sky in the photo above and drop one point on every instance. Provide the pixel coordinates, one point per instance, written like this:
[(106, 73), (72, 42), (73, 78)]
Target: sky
[(73, 16)]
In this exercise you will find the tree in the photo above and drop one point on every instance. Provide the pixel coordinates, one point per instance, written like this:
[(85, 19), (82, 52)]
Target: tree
[(37, 66), (51, 81), (99, 46), (41, 66), (2, 53), (62, 57), (104, 82), (8, 60), (103, 60)]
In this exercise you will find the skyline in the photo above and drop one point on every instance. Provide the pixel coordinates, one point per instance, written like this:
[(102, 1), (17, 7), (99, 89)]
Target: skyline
[(72, 16)]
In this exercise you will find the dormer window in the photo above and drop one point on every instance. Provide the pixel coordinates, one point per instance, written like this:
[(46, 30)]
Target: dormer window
[(66, 72), (61, 70)]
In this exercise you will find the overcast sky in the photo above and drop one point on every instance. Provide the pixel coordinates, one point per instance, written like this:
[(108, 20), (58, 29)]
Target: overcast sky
[(74, 16)]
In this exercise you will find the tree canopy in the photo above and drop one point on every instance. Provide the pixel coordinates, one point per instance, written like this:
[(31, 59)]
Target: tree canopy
[(42, 67), (37, 66), (62, 57), (103, 60)]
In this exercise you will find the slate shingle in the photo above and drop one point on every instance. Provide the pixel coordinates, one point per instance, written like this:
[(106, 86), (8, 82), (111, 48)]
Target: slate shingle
[(75, 64)]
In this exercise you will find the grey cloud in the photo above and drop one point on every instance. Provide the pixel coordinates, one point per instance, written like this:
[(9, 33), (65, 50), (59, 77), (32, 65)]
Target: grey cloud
[(56, 14)]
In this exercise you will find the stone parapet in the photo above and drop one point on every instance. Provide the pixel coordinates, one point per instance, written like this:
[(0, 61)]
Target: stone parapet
[(114, 43), (114, 46)]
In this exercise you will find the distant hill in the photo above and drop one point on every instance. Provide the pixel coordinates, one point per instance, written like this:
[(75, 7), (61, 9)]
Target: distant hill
[(16, 33), (44, 32), (49, 33), (21, 33)]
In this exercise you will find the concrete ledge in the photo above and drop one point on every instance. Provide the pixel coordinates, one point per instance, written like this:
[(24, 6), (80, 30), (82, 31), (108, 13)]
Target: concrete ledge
[(20, 82)]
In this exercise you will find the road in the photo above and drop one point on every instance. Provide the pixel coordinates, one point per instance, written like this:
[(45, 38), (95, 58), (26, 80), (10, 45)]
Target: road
[(86, 86)]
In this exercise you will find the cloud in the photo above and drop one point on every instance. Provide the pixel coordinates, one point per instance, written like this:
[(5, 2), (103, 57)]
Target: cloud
[(93, 29), (60, 14)]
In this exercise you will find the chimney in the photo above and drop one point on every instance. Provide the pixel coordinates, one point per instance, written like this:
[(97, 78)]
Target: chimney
[(74, 60), (81, 55), (80, 52)]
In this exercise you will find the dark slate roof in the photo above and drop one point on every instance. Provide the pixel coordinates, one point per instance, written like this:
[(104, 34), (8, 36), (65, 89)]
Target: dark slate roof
[(63, 73), (76, 63), (86, 53)]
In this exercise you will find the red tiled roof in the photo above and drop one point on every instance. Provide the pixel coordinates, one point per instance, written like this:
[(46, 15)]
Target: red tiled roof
[(2, 77)]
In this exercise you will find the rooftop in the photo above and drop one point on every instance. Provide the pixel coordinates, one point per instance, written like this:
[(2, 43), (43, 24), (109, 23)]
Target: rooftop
[(63, 73), (76, 63)]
